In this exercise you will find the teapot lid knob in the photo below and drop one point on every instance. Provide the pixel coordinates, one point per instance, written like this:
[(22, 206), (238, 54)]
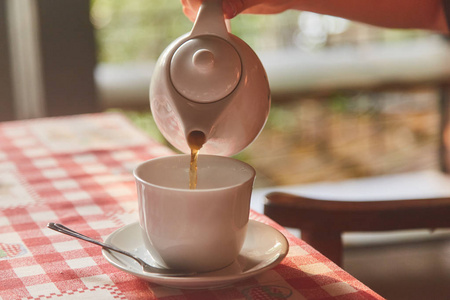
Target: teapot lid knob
[(205, 69), (203, 60)]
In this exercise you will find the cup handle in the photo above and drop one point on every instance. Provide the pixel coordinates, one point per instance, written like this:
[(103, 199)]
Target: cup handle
[(210, 19)]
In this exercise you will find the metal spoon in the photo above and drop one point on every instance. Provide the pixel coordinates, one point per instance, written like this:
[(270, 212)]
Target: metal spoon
[(145, 267)]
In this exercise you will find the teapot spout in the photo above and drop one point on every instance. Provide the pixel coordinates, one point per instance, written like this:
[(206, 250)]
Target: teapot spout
[(196, 139)]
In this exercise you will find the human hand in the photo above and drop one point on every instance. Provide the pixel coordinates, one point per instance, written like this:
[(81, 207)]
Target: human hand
[(232, 8)]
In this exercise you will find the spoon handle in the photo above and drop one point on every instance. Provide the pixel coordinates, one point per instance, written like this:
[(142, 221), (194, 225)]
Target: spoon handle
[(146, 267), (63, 229)]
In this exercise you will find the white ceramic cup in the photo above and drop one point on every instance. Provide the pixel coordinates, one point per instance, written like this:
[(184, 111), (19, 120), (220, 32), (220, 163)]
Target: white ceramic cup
[(195, 230)]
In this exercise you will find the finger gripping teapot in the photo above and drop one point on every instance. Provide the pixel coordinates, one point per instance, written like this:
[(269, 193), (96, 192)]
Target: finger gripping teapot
[(210, 82)]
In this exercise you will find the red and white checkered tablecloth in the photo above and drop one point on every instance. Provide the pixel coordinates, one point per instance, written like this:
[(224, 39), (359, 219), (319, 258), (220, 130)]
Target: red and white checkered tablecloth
[(77, 171)]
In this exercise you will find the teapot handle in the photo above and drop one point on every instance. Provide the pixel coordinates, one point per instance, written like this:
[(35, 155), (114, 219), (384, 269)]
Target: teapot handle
[(210, 19)]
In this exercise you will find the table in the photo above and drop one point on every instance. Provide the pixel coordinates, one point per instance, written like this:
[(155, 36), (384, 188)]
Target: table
[(77, 171)]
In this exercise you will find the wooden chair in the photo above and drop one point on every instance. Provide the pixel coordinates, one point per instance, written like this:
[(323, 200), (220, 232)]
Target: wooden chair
[(400, 202), (322, 222)]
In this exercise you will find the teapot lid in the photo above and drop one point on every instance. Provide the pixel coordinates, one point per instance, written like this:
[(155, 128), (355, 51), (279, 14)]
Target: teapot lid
[(205, 69)]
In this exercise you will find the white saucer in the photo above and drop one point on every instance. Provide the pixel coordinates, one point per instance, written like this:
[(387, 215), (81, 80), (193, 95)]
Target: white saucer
[(263, 249)]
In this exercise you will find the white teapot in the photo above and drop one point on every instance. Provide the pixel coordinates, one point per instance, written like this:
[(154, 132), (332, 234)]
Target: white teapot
[(210, 82)]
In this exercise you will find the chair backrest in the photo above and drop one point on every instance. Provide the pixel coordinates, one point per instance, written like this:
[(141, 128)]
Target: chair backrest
[(322, 221), (444, 130)]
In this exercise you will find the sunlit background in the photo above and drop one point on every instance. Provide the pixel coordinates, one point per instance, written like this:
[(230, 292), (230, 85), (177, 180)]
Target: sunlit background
[(348, 100), (310, 136)]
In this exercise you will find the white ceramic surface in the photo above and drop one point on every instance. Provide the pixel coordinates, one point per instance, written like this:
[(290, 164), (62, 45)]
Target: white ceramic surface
[(263, 249), (197, 230), (210, 81)]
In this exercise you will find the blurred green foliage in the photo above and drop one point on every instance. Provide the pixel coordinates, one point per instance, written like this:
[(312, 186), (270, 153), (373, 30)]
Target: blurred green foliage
[(136, 29), (139, 30)]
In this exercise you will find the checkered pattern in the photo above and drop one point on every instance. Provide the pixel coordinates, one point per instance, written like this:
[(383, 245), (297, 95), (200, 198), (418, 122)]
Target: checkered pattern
[(77, 171)]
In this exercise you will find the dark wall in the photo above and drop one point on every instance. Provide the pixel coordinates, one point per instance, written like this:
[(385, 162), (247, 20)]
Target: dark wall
[(69, 56), (6, 96)]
